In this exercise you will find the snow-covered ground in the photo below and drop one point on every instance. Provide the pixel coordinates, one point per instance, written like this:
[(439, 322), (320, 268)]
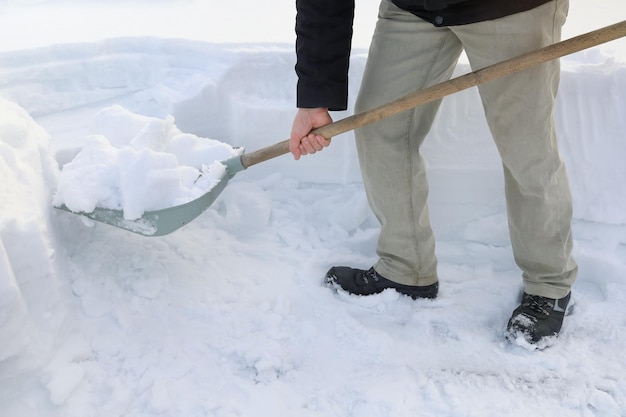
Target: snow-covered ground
[(227, 316)]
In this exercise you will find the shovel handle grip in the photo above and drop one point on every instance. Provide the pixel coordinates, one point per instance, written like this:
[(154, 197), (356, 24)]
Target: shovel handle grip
[(438, 91)]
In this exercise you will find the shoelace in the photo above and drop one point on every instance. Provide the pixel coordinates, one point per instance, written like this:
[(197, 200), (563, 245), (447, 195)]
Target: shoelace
[(538, 304), (364, 278)]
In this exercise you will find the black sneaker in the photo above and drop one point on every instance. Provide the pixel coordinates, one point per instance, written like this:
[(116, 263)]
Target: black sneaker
[(362, 282), (537, 320)]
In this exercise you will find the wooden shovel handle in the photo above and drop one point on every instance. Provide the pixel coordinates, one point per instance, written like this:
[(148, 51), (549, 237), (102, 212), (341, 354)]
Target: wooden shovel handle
[(510, 66)]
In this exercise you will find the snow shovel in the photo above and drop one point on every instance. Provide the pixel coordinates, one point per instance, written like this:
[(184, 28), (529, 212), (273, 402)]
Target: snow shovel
[(165, 221)]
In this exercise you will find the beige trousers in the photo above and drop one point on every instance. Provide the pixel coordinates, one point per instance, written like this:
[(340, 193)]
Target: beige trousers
[(408, 54)]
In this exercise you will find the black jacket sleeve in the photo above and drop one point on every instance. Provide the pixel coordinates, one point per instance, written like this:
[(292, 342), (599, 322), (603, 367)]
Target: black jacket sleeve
[(323, 43)]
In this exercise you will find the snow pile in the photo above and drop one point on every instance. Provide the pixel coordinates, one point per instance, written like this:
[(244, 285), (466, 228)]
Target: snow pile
[(33, 305), (137, 163)]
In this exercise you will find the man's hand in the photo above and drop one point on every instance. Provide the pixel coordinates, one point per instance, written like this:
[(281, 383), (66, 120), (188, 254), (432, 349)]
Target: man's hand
[(302, 141)]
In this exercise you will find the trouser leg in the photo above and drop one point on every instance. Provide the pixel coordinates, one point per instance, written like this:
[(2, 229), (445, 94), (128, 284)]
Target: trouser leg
[(406, 54), (519, 110)]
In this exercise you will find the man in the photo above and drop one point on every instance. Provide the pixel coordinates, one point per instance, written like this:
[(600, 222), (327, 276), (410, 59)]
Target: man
[(416, 44)]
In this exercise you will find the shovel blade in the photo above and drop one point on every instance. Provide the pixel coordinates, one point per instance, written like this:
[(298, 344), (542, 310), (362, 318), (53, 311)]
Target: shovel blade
[(164, 221)]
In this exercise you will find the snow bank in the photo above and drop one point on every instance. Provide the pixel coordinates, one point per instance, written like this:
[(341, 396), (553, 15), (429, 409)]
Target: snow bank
[(592, 127), (243, 95), (32, 298)]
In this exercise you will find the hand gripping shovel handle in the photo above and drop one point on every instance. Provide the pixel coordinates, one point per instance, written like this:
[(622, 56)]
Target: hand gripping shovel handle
[(501, 69)]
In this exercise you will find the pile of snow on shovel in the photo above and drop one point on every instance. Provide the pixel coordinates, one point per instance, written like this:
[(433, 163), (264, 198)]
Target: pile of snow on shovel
[(137, 163)]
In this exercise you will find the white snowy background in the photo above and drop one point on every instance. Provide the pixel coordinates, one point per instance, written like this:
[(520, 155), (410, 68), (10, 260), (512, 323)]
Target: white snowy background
[(227, 316)]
